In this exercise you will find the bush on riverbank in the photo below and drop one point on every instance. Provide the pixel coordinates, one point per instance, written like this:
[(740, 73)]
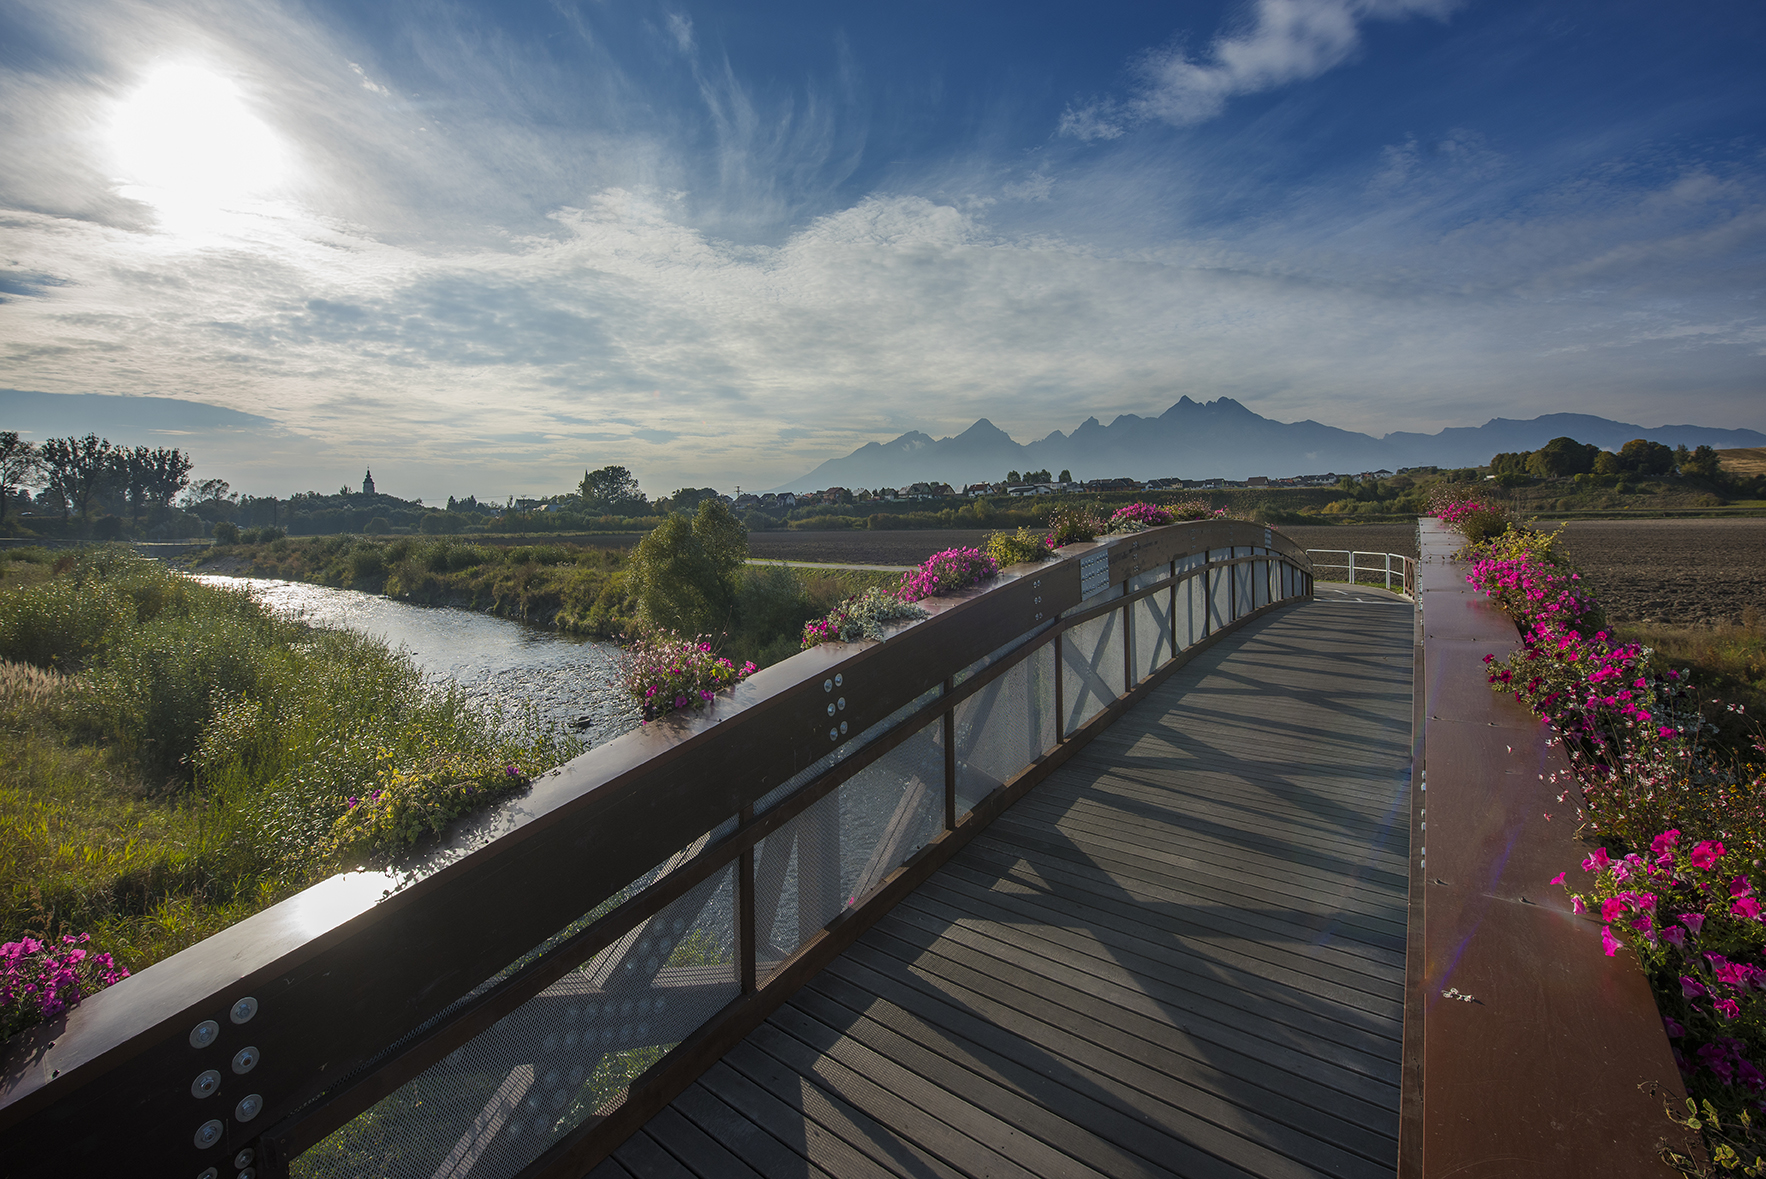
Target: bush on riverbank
[(174, 758)]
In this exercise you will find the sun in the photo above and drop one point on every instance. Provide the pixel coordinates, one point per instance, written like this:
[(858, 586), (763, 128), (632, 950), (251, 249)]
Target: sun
[(187, 142)]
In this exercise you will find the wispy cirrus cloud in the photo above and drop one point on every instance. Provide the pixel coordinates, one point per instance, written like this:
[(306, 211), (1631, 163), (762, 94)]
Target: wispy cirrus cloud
[(1279, 42)]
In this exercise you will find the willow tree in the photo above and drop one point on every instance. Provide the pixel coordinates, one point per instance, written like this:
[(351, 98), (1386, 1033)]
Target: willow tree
[(684, 572)]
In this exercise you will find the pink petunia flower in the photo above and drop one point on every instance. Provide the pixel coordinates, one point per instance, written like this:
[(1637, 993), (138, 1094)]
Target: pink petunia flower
[(1706, 853)]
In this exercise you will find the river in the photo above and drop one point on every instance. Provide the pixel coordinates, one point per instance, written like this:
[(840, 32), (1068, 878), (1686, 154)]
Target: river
[(504, 665)]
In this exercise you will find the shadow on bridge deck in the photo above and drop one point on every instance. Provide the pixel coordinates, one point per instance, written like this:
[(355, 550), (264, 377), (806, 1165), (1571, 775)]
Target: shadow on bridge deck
[(1183, 953)]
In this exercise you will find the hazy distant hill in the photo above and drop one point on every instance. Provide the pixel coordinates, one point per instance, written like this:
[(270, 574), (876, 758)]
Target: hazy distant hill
[(1221, 439)]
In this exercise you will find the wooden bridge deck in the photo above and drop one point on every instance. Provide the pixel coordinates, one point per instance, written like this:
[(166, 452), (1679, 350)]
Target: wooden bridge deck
[(1182, 954)]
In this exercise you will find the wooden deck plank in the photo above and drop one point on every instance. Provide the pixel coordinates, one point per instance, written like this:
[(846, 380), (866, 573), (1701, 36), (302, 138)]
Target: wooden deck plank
[(820, 1147), (1101, 1103), (1096, 819), (1215, 1113), (1182, 953), (963, 1080), (1209, 929), (1121, 862), (931, 1095), (1155, 964), (698, 1151), (1148, 991), (828, 1111), (742, 1138), (1230, 1070), (646, 1158)]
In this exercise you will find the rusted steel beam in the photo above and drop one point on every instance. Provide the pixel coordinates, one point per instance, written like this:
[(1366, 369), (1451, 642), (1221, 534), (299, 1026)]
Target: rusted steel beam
[(1538, 1072)]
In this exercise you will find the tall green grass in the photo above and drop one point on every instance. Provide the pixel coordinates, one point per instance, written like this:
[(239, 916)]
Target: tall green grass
[(174, 758)]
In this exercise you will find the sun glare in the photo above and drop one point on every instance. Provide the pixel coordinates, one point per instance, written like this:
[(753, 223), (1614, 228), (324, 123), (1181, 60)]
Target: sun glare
[(187, 143)]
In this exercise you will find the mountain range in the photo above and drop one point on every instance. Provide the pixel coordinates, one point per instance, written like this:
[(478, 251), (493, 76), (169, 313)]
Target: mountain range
[(1222, 439)]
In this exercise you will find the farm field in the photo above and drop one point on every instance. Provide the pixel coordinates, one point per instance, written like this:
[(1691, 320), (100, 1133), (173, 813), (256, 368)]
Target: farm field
[(1677, 572)]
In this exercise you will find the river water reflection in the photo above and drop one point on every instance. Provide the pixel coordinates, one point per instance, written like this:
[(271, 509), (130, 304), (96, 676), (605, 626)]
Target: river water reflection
[(502, 664)]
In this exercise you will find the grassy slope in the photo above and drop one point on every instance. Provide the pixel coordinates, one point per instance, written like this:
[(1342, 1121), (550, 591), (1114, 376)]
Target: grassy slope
[(172, 759)]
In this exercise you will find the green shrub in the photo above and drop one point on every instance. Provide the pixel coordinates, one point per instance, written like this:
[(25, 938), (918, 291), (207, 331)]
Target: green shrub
[(227, 532), (367, 562), (1016, 548)]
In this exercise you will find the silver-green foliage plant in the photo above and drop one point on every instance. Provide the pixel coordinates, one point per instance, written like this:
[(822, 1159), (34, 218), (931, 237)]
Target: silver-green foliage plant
[(861, 617)]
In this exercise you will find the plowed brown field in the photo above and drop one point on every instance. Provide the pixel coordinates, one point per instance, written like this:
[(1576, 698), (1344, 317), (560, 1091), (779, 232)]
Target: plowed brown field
[(1679, 572)]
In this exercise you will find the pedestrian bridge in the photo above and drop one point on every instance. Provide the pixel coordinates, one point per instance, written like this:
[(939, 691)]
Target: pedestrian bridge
[(1103, 869)]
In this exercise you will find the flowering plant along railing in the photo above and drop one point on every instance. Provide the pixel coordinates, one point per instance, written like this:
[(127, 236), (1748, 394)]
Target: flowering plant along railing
[(523, 998)]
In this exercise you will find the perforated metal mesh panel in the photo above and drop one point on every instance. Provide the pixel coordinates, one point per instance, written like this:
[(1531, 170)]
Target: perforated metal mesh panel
[(1260, 583), (1091, 667), (993, 657), (1004, 727), (843, 750), (492, 1106), (843, 844), (1151, 632)]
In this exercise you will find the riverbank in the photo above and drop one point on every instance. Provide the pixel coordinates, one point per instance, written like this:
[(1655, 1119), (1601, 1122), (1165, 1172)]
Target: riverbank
[(175, 757), (572, 589)]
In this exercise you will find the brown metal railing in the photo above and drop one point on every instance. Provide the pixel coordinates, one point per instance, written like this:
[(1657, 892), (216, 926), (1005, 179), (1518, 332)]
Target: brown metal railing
[(522, 999)]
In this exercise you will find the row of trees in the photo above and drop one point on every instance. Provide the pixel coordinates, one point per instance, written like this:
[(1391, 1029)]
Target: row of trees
[(1564, 457), (81, 471)]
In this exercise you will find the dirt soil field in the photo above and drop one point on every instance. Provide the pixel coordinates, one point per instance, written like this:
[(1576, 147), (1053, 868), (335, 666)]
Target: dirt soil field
[(1679, 572)]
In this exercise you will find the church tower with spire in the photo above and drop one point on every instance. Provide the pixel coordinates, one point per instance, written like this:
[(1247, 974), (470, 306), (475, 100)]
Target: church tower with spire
[(368, 483)]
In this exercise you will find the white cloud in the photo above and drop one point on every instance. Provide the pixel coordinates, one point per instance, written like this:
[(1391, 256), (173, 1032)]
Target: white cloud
[(368, 83), (681, 29), (1282, 41)]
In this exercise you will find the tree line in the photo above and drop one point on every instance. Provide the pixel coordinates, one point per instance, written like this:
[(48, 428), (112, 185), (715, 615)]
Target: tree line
[(1563, 458), (80, 471)]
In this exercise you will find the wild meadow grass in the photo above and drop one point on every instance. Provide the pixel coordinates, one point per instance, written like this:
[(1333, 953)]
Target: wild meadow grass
[(173, 757), (1728, 666)]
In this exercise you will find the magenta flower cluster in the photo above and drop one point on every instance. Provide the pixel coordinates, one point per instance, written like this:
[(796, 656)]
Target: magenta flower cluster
[(1454, 511), (40, 979), (1595, 689), (666, 673), (947, 572), (1697, 926), (1136, 516)]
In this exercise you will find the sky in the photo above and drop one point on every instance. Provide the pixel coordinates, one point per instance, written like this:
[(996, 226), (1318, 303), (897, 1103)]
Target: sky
[(482, 247)]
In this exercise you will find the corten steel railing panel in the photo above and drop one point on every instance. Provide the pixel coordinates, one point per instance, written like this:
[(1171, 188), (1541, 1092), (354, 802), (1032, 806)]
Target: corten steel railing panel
[(634, 913), (1366, 568), (1538, 1072)]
